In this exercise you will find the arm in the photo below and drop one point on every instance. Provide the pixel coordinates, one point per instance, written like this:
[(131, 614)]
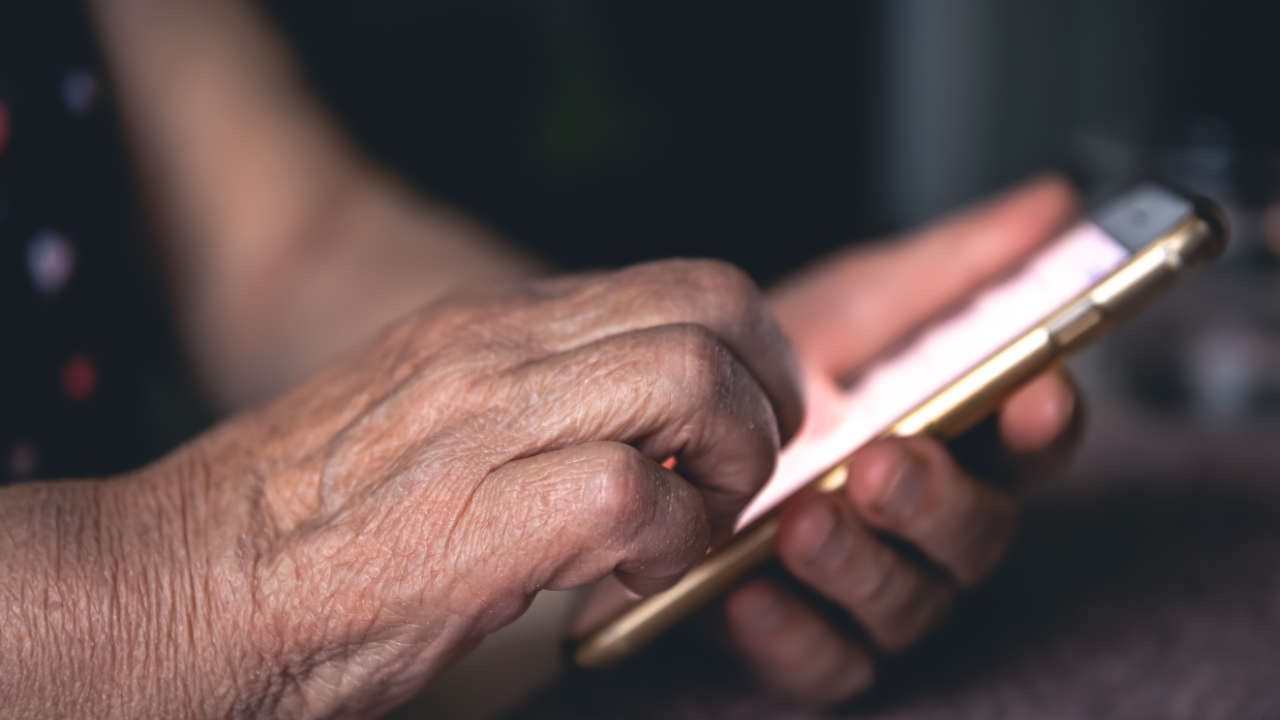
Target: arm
[(286, 245), (107, 609), (330, 552)]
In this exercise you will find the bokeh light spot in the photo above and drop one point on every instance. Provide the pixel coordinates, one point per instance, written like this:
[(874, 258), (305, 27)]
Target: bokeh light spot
[(50, 260), (79, 377), (4, 126), (22, 460), (79, 90)]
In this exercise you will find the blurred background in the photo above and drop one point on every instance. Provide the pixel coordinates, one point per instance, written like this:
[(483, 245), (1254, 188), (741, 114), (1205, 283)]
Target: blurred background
[(604, 132), (601, 133)]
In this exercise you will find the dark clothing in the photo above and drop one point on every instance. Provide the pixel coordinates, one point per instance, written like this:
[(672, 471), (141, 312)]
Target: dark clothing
[(91, 380)]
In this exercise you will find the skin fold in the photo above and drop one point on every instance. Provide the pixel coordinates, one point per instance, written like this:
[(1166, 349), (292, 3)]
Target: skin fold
[(424, 429)]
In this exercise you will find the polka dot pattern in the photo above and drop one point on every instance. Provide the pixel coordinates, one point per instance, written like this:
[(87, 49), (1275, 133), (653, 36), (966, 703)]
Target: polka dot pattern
[(50, 261), (91, 377), (23, 460), (4, 126), (79, 90), (79, 377)]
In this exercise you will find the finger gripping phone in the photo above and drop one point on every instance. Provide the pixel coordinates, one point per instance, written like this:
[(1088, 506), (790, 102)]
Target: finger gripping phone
[(953, 372)]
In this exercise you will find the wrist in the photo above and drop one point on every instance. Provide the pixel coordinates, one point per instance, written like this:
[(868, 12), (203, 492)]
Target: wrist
[(179, 594), (107, 606), (49, 608), (165, 567)]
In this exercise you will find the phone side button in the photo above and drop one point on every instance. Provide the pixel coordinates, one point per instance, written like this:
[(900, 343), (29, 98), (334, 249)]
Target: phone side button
[(1076, 325)]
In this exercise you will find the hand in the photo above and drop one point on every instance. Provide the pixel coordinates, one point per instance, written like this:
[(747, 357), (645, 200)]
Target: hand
[(839, 315), (392, 511)]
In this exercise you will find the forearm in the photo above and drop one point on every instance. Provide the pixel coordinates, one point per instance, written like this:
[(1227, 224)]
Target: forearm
[(107, 602), (233, 155), (218, 582), (286, 245)]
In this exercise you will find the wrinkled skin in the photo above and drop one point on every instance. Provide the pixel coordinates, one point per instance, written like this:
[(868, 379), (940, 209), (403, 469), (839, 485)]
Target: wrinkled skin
[(328, 553), (503, 442), (414, 498), (840, 314)]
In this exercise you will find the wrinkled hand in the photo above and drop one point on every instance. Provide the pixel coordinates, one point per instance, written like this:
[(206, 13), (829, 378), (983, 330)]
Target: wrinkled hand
[(839, 315), (413, 499)]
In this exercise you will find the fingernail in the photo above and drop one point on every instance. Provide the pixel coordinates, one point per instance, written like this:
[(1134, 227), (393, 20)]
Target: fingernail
[(899, 494), (827, 539)]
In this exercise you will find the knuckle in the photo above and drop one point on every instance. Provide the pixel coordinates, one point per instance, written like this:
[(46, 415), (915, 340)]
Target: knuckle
[(730, 287), (623, 494), (721, 274), (896, 600), (705, 363), (913, 616), (875, 579)]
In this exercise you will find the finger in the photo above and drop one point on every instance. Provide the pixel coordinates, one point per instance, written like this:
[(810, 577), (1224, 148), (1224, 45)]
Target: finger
[(912, 488), (876, 295), (1034, 435), (821, 542), (584, 512), (671, 390), (793, 650), (710, 293), (1038, 415)]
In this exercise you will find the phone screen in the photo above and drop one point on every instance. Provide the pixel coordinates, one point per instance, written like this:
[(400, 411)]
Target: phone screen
[(840, 420)]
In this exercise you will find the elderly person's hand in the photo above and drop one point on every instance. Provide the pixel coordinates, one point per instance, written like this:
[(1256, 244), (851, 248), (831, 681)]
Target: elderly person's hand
[(329, 552), (839, 315)]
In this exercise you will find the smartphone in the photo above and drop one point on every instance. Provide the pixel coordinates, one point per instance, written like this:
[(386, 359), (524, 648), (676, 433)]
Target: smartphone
[(951, 373)]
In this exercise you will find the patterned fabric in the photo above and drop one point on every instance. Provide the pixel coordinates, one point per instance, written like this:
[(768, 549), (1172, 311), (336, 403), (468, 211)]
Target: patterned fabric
[(87, 361)]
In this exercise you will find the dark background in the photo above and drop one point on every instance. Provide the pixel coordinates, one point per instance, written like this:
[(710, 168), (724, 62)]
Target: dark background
[(1146, 582), (601, 133), (766, 133)]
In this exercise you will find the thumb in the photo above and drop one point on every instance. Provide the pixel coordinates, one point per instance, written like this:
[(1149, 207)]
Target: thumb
[(851, 306), (571, 516)]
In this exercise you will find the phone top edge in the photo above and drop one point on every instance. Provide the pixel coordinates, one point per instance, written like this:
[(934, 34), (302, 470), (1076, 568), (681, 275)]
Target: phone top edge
[(1169, 234), (1142, 214), (1216, 219)]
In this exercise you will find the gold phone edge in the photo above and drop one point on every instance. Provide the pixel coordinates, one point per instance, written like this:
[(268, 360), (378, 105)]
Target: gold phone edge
[(946, 414)]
